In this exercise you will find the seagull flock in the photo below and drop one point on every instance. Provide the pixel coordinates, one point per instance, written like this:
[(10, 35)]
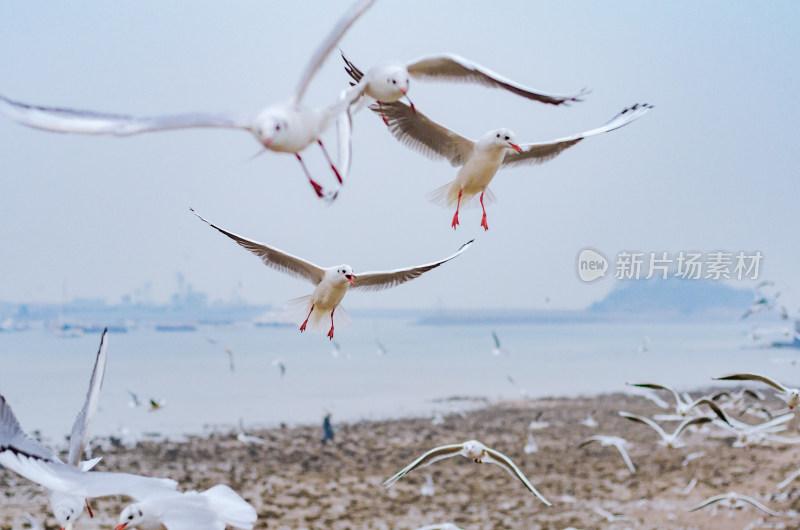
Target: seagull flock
[(291, 127)]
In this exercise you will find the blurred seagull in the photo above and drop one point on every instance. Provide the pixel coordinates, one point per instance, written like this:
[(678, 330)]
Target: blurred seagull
[(68, 485), (134, 402), (287, 127), (480, 160), (589, 420), (427, 488), (35, 525), (790, 395), (331, 283), (614, 441), (530, 446), (245, 438), (644, 347), (498, 349), (669, 441), (471, 449), (389, 82), (230, 359), (214, 509), (381, 348), (156, 404), (684, 404), (279, 363), (734, 500)]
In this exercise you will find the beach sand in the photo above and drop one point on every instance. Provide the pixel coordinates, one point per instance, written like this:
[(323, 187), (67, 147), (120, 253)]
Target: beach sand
[(296, 482)]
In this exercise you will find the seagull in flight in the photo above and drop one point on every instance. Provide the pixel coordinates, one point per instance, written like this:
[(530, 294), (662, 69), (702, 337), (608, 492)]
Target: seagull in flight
[(473, 450), (734, 500), (22, 454), (479, 160), (279, 363), (331, 283), (790, 395), (670, 441), (214, 509), (390, 81), (498, 349), (684, 404), (286, 127), (614, 441)]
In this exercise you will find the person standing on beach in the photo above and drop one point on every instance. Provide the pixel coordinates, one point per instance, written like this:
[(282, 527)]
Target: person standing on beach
[(327, 429)]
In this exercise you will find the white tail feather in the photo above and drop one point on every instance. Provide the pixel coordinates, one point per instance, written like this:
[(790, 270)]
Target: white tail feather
[(447, 196), (230, 507), (319, 321)]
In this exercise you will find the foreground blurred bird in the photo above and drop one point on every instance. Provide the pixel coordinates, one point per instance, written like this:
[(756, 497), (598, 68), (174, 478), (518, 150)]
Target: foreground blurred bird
[(390, 81), (20, 453), (615, 441), (733, 500), (287, 127), (480, 160), (474, 450), (331, 283), (790, 395)]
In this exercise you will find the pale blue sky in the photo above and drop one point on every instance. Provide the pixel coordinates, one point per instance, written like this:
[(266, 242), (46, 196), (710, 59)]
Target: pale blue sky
[(714, 166)]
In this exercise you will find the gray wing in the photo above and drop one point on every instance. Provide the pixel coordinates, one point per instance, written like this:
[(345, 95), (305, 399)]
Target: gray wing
[(691, 421), (437, 453), (454, 68), (275, 258), (656, 386), (708, 501), (375, 281), (718, 411), (753, 377), (542, 152), (418, 132), (83, 421), (757, 504), (16, 441), (63, 120), (496, 457), (647, 421), (329, 43), (624, 454)]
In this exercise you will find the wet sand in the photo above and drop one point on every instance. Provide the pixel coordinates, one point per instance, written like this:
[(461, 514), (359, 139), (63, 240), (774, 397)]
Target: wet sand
[(294, 481)]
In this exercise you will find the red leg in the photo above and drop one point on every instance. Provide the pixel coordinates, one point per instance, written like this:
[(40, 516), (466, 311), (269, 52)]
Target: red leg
[(458, 205), (330, 333), (335, 171), (483, 220), (382, 114), (89, 508), (303, 326), (317, 187)]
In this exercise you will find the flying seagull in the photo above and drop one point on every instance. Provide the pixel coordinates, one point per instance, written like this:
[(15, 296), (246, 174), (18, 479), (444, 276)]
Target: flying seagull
[(479, 160), (331, 283), (734, 500), (286, 127), (790, 395), (669, 441), (471, 449), (615, 441)]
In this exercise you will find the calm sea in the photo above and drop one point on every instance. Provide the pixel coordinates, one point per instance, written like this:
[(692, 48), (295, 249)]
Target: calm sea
[(44, 377)]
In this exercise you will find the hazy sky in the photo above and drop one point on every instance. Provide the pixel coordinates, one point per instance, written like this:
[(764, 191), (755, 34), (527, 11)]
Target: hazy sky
[(713, 166)]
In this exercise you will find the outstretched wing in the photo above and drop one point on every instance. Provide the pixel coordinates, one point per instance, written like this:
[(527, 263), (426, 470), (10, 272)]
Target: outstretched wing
[(454, 68), (375, 281), (437, 453), (83, 421), (418, 132), (63, 120), (647, 421), (275, 258), (16, 441), (542, 152), (753, 377), (496, 457), (328, 44)]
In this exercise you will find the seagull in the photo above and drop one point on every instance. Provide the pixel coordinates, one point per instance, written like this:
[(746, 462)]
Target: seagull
[(689, 487), (684, 404), (381, 348), (134, 402), (279, 363), (331, 283), (230, 359), (747, 435), (214, 509), (247, 439), (389, 82), (670, 441), (589, 420), (35, 525), (480, 160), (497, 350), (22, 454), (287, 127), (156, 404), (790, 395), (530, 446), (474, 450), (734, 500), (615, 441), (644, 347), (427, 488)]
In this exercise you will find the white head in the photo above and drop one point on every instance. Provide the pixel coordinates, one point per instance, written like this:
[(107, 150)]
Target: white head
[(343, 274), (66, 508), (502, 139), (473, 449), (389, 83), (130, 517), (271, 127)]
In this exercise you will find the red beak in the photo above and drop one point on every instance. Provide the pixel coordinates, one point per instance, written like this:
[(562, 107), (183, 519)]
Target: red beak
[(515, 147), (404, 90), (350, 279), (121, 526)]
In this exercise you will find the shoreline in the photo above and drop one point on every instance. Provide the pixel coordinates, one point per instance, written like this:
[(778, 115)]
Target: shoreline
[(294, 481)]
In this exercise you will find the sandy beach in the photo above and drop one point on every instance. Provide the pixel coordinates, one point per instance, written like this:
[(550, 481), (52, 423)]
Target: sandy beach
[(294, 481)]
